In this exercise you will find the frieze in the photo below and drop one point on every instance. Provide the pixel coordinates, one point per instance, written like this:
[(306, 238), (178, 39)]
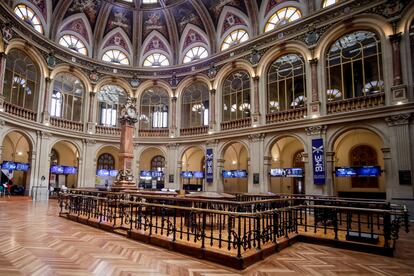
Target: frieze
[(399, 119), (257, 137), (316, 130)]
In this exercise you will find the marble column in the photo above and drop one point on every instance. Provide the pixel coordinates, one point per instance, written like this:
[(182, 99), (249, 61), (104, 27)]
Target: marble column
[(2, 75), (256, 101), (390, 184), (171, 167), (395, 40), (173, 127), (212, 103), (256, 148), (314, 104), (267, 165), (330, 167), (91, 125), (46, 100)]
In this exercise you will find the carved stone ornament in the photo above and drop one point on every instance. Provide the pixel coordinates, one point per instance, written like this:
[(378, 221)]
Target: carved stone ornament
[(173, 146), (6, 31), (316, 130), (128, 113), (51, 60), (125, 175), (255, 57), (311, 37), (212, 72), (174, 80), (400, 119), (93, 76), (135, 82), (257, 137)]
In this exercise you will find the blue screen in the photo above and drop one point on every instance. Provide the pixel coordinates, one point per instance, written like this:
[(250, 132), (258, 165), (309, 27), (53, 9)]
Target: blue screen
[(187, 174), (279, 172), (145, 174), (22, 167), (345, 172), (198, 175), (102, 172), (240, 174), (113, 173), (369, 171), (294, 172), (8, 165), (57, 169), (69, 170)]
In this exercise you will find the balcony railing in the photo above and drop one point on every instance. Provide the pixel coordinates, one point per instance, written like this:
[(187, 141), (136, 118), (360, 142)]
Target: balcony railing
[(20, 111), (357, 103), (63, 123), (116, 131), (154, 132), (193, 131), (235, 124), (287, 115)]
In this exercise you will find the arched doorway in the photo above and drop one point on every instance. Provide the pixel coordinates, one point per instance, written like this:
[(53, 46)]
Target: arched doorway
[(16, 163), (236, 158), (152, 166), (192, 171), (106, 166), (287, 166), (64, 165), (354, 150)]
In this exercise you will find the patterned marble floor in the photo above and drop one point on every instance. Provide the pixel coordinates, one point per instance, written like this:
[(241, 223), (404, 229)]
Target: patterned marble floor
[(35, 241)]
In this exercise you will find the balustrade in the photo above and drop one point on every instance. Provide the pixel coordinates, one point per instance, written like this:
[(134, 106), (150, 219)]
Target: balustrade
[(358, 103), (153, 132), (116, 131), (287, 115), (63, 123), (235, 124), (194, 131), (20, 111)]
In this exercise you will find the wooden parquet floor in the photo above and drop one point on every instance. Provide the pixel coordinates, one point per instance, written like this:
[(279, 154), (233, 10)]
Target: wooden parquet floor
[(34, 240)]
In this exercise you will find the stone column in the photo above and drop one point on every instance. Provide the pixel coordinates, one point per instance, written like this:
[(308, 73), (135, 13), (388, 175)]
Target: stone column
[(390, 184), (173, 127), (171, 167), (400, 140), (314, 104), (89, 174), (46, 100), (267, 165), (399, 90), (2, 75), (256, 101), (178, 173), (330, 183), (256, 148), (91, 125), (212, 103)]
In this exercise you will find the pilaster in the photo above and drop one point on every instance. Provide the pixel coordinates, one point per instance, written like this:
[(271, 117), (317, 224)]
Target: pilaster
[(256, 163)]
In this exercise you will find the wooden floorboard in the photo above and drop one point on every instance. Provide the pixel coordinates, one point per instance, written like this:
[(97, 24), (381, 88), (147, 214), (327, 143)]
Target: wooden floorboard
[(34, 240)]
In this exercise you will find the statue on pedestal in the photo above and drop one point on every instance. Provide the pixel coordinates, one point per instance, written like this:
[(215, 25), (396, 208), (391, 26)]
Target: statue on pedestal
[(128, 117)]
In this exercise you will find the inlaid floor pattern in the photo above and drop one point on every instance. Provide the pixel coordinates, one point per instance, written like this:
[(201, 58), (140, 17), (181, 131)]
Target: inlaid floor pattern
[(35, 241)]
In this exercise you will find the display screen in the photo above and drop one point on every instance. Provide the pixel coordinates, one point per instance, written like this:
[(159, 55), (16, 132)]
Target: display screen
[(345, 172), (198, 175), (113, 173), (286, 172), (373, 171), (187, 174), (102, 172), (57, 169), (70, 170), (22, 167), (8, 165), (234, 173), (364, 171), (149, 174)]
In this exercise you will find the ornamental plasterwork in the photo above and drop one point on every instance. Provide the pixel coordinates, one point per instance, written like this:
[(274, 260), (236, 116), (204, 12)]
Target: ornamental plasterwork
[(257, 137), (316, 130), (400, 119)]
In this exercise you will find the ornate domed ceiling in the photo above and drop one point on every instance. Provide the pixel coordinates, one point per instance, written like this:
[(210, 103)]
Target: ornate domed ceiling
[(155, 32)]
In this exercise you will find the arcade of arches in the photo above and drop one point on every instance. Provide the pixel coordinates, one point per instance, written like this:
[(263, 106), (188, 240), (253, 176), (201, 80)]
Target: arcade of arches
[(264, 97)]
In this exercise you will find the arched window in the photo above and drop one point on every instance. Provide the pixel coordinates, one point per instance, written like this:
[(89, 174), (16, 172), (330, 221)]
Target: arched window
[(21, 81), (106, 162), (282, 17), (195, 105), (364, 156), (29, 16), (67, 97), (236, 96), (154, 108), (234, 38), (286, 83), (327, 3), (354, 67), (74, 43), (158, 163), (195, 53), (115, 56), (110, 97), (156, 60)]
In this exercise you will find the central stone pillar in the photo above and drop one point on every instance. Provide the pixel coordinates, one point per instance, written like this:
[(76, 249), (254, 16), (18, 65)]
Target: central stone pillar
[(128, 118)]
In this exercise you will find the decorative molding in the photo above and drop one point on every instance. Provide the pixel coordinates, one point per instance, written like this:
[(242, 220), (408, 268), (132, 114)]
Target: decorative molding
[(173, 146), (316, 130), (400, 119), (257, 137)]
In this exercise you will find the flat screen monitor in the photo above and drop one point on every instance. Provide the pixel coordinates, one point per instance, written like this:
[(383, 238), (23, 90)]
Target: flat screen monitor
[(370, 171), (277, 172), (56, 169), (227, 174), (113, 173), (70, 170), (240, 173), (22, 167), (145, 174), (156, 174), (187, 174), (345, 172), (198, 175), (8, 165), (294, 172), (102, 172)]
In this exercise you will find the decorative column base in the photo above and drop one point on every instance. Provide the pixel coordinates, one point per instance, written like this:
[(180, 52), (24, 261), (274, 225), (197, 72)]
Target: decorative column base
[(399, 94)]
